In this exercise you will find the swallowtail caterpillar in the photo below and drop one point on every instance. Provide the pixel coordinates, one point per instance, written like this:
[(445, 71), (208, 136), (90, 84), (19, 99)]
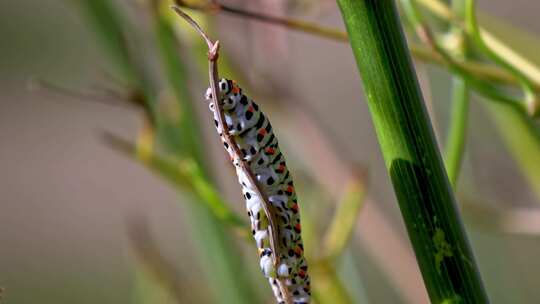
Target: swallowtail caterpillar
[(267, 184)]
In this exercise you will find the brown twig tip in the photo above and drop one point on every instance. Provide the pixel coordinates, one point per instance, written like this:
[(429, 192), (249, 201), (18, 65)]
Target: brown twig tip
[(213, 53), (211, 7), (195, 25)]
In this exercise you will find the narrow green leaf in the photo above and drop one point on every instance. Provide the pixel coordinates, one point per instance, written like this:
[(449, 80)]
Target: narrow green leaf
[(327, 287), (109, 27), (157, 280), (457, 133), (186, 176), (455, 143), (344, 219), (147, 290), (521, 135), (185, 127)]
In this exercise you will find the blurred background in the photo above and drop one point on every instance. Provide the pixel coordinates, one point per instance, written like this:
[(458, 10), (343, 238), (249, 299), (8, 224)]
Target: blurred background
[(81, 221)]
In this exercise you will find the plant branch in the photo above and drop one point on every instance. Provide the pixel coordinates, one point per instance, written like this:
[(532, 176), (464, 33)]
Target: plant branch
[(185, 176), (526, 73), (474, 68), (483, 87), (295, 24), (442, 11), (531, 100)]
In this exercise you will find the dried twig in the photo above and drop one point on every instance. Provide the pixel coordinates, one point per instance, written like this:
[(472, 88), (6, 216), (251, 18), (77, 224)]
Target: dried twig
[(213, 54), (477, 69)]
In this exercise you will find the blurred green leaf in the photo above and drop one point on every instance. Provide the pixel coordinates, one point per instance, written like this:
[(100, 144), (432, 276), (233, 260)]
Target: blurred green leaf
[(169, 47), (327, 287), (109, 27), (186, 176), (344, 219), (156, 279), (120, 42), (147, 290), (520, 133)]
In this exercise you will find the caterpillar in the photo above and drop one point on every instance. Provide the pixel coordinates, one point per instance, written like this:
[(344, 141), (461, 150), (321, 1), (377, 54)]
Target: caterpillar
[(259, 149)]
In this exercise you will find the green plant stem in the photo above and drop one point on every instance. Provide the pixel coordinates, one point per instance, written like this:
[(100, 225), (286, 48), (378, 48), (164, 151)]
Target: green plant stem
[(521, 69), (457, 133), (184, 175), (473, 30), (409, 148), (483, 87), (528, 68)]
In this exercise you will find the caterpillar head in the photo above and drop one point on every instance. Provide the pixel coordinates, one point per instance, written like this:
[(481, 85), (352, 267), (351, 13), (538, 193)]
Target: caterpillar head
[(229, 94)]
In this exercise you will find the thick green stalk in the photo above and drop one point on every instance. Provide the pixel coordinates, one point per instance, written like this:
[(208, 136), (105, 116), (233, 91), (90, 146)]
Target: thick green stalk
[(410, 152)]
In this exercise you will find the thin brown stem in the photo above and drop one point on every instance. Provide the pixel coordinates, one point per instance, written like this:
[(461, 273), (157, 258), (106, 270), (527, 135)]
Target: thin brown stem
[(426, 54), (290, 23), (213, 54)]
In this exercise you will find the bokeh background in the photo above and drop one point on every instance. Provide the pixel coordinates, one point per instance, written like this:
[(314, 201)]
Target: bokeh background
[(68, 201)]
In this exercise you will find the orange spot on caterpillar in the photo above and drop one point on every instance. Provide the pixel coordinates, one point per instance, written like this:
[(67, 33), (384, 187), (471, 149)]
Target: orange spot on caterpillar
[(298, 251)]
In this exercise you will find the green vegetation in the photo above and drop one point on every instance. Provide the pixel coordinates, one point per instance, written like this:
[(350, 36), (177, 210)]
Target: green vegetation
[(446, 34)]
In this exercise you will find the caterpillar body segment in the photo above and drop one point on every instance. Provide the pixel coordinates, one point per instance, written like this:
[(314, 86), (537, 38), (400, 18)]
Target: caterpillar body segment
[(259, 148)]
